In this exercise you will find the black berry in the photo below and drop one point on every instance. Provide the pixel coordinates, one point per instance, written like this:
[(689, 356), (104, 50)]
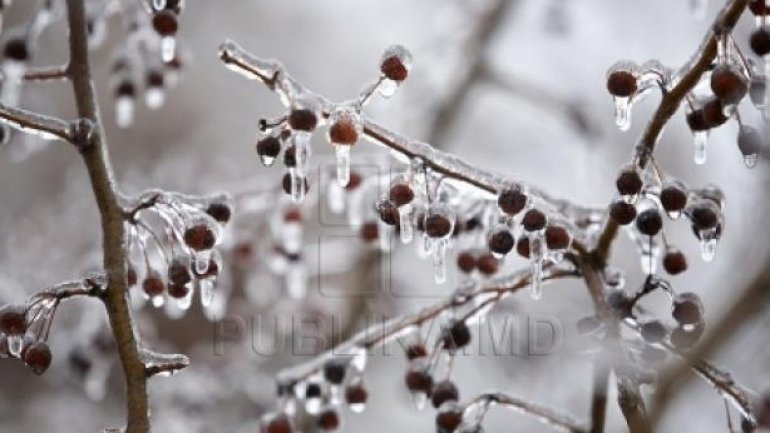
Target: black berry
[(456, 336), (394, 69), (728, 84), (487, 264), (649, 222), (500, 241), (512, 200), (334, 371), (534, 220), (673, 197), (165, 23), (760, 41), (199, 237), (674, 261), (629, 182), (38, 357), (437, 226)]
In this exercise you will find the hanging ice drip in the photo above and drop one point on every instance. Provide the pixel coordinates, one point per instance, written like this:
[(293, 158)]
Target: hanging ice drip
[(401, 196), (154, 92), (125, 98), (707, 224), (439, 224), (166, 24), (395, 66), (623, 84), (303, 119), (344, 129), (534, 222)]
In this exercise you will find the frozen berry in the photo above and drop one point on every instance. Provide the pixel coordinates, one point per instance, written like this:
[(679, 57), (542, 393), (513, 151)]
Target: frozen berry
[(687, 309), (728, 83), (748, 141), (125, 89), (401, 194), (534, 220), (153, 284), (154, 78), (286, 183), (269, 147), (356, 394), (13, 319), (199, 237), (512, 200), (449, 418), (37, 356), (179, 272), (131, 277), (697, 121), (487, 264), (649, 222), (466, 262), (328, 419), (394, 68), (302, 119), (629, 182), (220, 212), (760, 41), (369, 231), (437, 226), (622, 83), (456, 336), (444, 391), (704, 215), (713, 113), (759, 7), (290, 156), (313, 390), (334, 371), (279, 423), (674, 261), (343, 132), (522, 247), (419, 380), (673, 197), (500, 241), (388, 212), (16, 49), (415, 351), (557, 237), (178, 291), (653, 331), (165, 23)]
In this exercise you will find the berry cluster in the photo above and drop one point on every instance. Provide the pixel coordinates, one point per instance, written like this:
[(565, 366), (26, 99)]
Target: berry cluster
[(170, 245), (16, 342)]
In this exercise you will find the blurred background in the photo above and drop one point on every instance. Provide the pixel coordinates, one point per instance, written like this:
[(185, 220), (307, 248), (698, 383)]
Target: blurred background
[(514, 86)]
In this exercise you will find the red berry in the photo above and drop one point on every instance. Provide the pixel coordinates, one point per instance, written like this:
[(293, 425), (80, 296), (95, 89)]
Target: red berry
[(401, 194), (419, 380), (355, 180), (165, 23), (629, 182), (343, 132), (153, 285), (179, 272), (687, 309), (328, 420), (534, 220), (728, 84), (487, 264), (388, 212), (13, 319), (415, 351), (394, 69), (199, 237), (557, 237), (466, 261), (674, 261), (512, 200), (278, 424), (356, 394), (178, 291), (437, 226), (369, 232), (38, 357), (623, 213), (713, 113), (622, 83), (301, 119), (456, 336), (449, 419), (522, 247), (649, 222), (131, 277), (500, 241)]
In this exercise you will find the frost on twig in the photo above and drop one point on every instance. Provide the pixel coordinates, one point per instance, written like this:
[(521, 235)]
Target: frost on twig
[(45, 127), (475, 411), (163, 364)]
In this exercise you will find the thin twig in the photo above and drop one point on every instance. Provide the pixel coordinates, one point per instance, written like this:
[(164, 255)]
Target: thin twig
[(48, 127), (56, 73), (559, 421)]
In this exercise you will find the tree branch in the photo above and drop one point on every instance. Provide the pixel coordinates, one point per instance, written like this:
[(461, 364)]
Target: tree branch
[(56, 73), (545, 415), (94, 152), (47, 127)]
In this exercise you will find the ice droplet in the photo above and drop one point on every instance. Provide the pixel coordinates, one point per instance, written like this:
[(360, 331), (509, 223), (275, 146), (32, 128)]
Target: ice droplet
[(700, 140), (751, 160), (343, 164), (167, 48), (357, 407), (358, 361), (313, 405), (622, 112), (405, 223), (124, 111), (154, 97), (158, 301), (15, 345), (207, 292), (202, 261), (536, 255), (387, 88), (708, 244), (267, 160), (185, 302), (419, 399), (301, 140)]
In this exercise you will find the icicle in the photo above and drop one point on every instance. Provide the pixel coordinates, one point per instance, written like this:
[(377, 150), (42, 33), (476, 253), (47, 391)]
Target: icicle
[(700, 139), (206, 288), (405, 223), (15, 345), (185, 302), (297, 185), (387, 88), (537, 252), (159, 4), (438, 250), (622, 112), (301, 140), (167, 48), (124, 111), (343, 164), (201, 260), (158, 301), (292, 237), (708, 244)]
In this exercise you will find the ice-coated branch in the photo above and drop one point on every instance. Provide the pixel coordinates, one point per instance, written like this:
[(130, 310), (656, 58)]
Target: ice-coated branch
[(275, 77), (559, 421), (684, 82), (163, 364), (481, 297), (93, 285), (54, 73), (46, 127)]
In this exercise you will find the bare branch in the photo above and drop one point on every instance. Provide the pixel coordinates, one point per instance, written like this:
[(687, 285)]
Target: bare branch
[(46, 127), (558, 421), (56, 73)]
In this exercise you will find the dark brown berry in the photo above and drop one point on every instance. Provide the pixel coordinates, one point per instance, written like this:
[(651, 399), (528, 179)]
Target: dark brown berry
[(286, 183), (292, 215), (749, 141), (269, 147), (301, 119), (758, 7), (437, 226), (697, 121), (388, 212), (649, 222), (419, 380), (522, 247), (713, 113), (629, 182), (356, 394), (153, 285), (165, 23), (343, 132), (178, 291), (401, 194), (449, 419), (456, 336), (369, 231), (154, 78), (415, 351), (125, 89), (38, 357), (653, 331), (131, 277), (328, 419), (687, 309), (674, 261), (313, 390), (290, 156), (16, 49), (220, 212), (200, 237), (673, 197), (512, 201), (394, 69), (623, 213), (704, 216), (728, 84), (487, 264), (179, 272), (354, 181), (13, 319), (278, 424), (334, 371), (557, 237), (500, 241), (444, 391), (760, 41), (534, 220), (466, 262), (622, 83)]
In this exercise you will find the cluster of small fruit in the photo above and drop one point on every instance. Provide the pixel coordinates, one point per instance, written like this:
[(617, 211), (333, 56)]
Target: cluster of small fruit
[(170, 248), (642, 199), (24, 331), (148, 57)]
